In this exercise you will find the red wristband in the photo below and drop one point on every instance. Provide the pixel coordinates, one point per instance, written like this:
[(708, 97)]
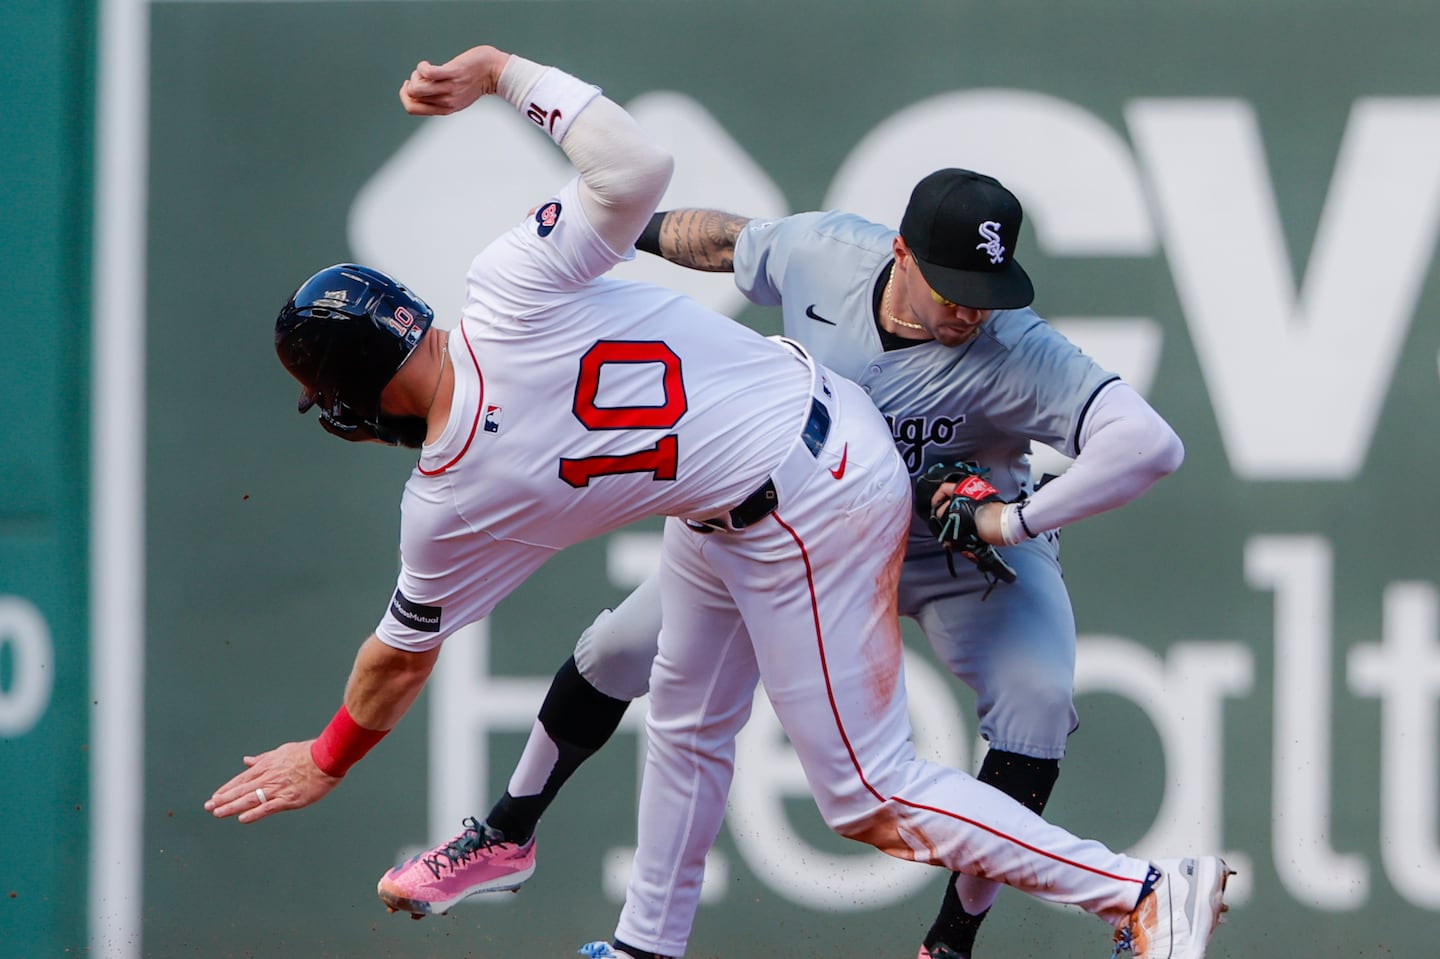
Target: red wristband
[(343, 743)]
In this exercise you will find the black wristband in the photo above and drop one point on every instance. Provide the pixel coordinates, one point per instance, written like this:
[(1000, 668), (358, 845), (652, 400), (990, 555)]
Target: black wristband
[(1020, 515), (649, 241)]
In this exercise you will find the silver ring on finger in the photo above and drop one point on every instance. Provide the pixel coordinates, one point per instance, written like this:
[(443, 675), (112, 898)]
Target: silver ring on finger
[(260, 795)]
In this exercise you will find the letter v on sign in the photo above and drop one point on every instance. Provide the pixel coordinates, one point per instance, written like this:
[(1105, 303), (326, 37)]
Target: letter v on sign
[(1297, 382)]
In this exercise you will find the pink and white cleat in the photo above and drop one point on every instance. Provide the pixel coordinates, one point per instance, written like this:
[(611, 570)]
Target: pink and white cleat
[(476, 861)]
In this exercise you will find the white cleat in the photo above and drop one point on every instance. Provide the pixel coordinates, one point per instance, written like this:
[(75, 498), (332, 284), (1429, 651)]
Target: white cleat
[(1177, 916)]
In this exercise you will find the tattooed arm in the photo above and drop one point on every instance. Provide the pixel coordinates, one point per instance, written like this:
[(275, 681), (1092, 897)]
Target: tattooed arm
[(698, 239)]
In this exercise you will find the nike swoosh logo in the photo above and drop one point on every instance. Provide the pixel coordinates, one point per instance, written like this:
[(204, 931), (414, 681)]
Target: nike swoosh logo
[(810, 312), (839, 471)]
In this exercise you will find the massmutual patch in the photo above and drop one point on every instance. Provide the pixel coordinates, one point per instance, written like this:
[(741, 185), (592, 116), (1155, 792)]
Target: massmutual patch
[(418, 616)]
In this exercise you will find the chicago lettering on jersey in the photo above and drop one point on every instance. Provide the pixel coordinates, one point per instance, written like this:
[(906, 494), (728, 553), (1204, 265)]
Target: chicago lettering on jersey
[(914, 433)]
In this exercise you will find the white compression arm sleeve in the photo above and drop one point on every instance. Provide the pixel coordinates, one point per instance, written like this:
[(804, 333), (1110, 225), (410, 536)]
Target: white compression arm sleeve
[(623, 173), (1125, 448)]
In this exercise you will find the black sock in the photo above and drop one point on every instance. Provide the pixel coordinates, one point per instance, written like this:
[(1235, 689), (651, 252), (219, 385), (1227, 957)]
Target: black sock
[(636, 953), (580, 719), (1024, 779)]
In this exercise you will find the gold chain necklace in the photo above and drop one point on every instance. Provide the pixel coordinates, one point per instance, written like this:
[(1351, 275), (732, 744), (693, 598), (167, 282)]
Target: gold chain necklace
[(444, 354), (885, 304)]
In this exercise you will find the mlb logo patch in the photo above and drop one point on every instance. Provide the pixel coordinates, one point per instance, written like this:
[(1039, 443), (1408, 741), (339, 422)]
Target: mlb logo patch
[(547, 216), (492, 419)]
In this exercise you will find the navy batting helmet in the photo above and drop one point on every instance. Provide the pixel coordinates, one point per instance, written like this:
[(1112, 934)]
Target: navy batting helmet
[(344, 334)]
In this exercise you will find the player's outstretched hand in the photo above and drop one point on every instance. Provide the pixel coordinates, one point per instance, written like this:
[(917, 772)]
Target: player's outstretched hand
[(283, 778), (452, 86)]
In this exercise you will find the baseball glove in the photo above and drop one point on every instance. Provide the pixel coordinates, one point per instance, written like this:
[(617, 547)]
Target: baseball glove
[(953, 522)]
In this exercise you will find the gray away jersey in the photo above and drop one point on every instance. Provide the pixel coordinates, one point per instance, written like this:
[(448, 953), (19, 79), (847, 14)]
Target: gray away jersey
[(1018, 381)]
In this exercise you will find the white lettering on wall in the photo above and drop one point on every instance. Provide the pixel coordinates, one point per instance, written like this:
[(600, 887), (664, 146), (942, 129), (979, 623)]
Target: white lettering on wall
[(1403, 671), (1075, 174), (1183, 695), (1296, 380), (1298, 570), (26, 697)]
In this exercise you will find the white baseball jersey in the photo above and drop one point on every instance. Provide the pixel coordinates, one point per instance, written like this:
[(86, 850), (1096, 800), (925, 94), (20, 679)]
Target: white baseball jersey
[(581, 404)]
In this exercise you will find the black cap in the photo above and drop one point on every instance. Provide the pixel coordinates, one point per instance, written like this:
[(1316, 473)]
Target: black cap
[(962, 228)]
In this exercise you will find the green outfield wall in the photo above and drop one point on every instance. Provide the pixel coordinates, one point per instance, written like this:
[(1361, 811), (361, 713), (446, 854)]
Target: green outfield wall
[(1235, 205), (45, 126)]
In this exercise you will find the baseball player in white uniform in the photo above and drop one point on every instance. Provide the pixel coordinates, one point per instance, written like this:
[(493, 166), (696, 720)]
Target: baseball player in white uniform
[(566, 405)]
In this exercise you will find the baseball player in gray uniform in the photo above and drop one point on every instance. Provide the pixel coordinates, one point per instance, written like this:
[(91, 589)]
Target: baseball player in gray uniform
[(970, 385)]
